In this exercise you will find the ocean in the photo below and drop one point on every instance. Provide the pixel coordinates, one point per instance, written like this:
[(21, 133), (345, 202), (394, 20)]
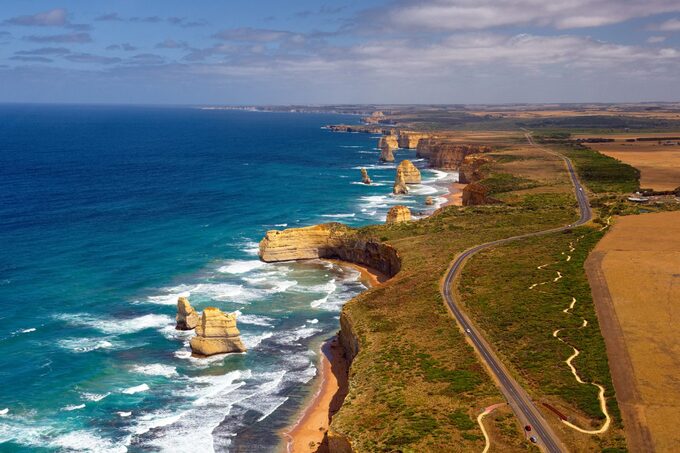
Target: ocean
[(108, 214)]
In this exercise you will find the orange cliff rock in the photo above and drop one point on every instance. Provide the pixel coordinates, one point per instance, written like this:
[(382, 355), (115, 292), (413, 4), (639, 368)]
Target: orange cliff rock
[(410, 172), (386, 144), (447, 155), (329, 240), (398, 214), (409, 139), (399, 187), (476, 194), (187, 318), (216, 334)]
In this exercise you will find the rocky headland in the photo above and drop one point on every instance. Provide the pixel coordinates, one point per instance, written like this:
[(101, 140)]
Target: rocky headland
[(331, 241)]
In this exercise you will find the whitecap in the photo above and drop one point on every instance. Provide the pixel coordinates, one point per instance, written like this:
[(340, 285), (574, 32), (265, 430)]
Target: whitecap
[(4, 412), (318, 302), (155, 369), (124, 414), (293, 336), (255, 320), (32, 329), (73, 407), (84, 344), (85, 441), (251, 248), (135, 389), (240, 266), (339, 216), (117, 326), (282, 225), (94, 396), (252, 341), (313, 321)]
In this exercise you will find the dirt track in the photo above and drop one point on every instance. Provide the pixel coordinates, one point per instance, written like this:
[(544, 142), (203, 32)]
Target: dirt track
[(634, 273)]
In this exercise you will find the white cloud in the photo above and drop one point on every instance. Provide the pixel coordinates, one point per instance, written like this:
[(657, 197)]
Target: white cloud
[(656, 39), (483, 14), (669, 25)]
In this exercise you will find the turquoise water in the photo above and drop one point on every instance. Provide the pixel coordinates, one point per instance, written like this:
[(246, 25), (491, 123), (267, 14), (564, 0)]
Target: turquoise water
[(108, 214)]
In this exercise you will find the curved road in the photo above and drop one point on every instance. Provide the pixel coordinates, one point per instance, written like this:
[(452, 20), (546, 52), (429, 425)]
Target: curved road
[(518, 399)]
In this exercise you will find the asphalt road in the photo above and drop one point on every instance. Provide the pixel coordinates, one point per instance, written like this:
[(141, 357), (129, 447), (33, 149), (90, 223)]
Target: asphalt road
[(518, 399)]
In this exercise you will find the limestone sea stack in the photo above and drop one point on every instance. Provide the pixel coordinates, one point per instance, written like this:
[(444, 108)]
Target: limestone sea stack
[(429, 201), (410, 172), (399, 187), (386, 144), (186, 318), (364, 176), (216, 333), (398, 214)]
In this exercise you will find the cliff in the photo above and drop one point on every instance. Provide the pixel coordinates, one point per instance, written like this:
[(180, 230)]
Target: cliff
[(447, 155), (329, 240), (386, 154), (471, 169), (410, 172), (475, 194), (216, 334), (409, 139), (398, 214)]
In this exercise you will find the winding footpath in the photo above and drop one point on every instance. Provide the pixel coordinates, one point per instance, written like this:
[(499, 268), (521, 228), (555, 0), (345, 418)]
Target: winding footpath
[(519, 400), (601, 391)]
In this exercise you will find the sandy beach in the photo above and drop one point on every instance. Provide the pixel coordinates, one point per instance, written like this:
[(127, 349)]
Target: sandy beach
[(307, 434), (455, 195)]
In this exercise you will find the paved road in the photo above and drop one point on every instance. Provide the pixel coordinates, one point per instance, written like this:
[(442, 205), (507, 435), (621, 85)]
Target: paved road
[(519, 400)]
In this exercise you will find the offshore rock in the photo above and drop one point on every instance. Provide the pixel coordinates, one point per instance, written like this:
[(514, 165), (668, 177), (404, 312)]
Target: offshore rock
[(389, 141), (429, 201), (398, 214), (216, 334), (399, 187), (410, 172), (386, 154), (329, 240), (364, 176), (187, 317)]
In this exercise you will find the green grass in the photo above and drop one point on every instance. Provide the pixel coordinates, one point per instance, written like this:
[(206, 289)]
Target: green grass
[(601, 173), (505, 182), (519, 322)]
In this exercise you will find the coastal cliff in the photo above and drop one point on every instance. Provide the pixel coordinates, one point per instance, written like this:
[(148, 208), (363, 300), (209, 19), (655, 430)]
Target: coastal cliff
[(329, 240), (410, 139)]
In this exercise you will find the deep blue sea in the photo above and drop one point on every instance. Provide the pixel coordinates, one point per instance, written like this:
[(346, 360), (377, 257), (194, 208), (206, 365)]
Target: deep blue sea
[(108, 214)]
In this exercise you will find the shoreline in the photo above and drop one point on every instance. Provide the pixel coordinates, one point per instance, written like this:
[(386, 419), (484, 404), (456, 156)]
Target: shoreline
[(308, 432), (455, 195)]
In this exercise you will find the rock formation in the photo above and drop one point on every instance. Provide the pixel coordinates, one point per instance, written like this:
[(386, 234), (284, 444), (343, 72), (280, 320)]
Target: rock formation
[(330, 240), (398, 214), (471, 169), (364, 176), (216, 334), (387, 143), (375, 118), (386, 155), (186, 318), (409, 139), (429, 201), (447, 155), (399, 187), (410, 172), (475, 194)]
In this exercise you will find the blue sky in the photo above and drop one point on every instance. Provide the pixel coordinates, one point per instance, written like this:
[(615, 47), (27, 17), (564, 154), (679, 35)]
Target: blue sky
[(389, 51)]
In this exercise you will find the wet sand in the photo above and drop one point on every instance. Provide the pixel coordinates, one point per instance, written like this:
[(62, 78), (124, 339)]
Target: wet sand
[(307, 434)]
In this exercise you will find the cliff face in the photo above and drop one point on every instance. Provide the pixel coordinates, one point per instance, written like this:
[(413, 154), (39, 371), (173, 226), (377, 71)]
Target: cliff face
[(410, 172), (450, 156), (216, 334), (475, 194), (398, 214), (471, 168), (330, 240), (409, 139), (389, 141), (386, 154)]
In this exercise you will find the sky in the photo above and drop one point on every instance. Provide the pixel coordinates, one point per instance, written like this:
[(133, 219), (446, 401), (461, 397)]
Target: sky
[(354, 51)]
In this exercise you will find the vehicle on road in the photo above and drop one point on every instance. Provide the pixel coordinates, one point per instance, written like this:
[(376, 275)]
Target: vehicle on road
[(527, 428), (533, 439)]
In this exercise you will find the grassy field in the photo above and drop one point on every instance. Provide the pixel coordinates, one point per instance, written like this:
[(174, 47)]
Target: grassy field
[(520, 322), (416, 384)]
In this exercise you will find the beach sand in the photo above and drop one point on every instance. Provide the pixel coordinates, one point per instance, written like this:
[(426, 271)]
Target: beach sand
[(455, 195), (307, 434)]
